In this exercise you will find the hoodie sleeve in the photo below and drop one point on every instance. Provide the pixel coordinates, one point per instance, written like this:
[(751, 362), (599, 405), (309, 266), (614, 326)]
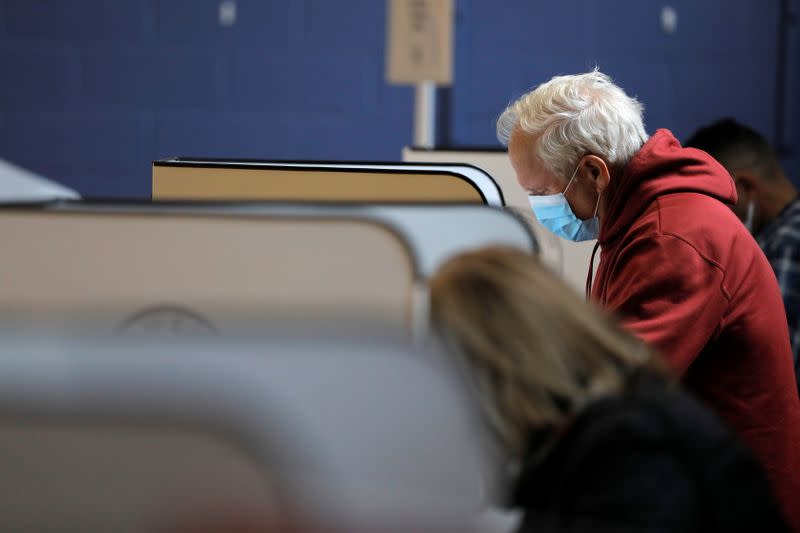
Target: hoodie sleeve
[(669, 295)]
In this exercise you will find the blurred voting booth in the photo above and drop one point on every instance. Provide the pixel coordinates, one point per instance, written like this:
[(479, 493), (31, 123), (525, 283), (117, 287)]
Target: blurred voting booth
[(201, 267), (327, 432)]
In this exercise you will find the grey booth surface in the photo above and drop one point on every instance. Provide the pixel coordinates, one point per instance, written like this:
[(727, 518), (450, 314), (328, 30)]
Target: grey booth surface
[(19, 184), (479, 179), (390, 252), (129, 436)]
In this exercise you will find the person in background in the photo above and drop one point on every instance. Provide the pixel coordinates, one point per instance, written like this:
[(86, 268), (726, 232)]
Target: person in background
[(676, 266), (768, 205), (601, 438)]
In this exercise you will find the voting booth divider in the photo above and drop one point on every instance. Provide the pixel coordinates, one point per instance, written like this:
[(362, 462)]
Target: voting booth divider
[(158, 436), (148, 266), (149, 430), (216, 180), (336, 182), (204, 267)]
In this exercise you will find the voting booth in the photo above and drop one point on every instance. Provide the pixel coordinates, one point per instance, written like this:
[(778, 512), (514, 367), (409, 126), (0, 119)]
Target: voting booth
[(209, 179), (149, 435), (135, 266), (202, 268)]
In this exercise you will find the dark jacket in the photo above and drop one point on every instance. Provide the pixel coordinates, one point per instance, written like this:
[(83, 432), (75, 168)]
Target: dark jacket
[(684, 274), (649, 460)]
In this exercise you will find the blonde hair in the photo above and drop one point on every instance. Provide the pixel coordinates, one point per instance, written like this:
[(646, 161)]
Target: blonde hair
[(535, 351), (577, 115)]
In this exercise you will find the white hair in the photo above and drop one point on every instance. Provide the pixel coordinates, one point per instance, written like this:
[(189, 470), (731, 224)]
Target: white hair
[(574, 116)]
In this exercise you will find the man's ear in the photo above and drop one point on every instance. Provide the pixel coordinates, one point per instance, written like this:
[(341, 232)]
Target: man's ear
[(595, 170)]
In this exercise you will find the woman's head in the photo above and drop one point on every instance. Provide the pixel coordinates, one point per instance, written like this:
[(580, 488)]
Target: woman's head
[(536, 352)]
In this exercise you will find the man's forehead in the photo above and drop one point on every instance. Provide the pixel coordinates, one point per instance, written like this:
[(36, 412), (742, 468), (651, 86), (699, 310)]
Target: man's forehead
[(520, 137), (531, 172), (522, 150)]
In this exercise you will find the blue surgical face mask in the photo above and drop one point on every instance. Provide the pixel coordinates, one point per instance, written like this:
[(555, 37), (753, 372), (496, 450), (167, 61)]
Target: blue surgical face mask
[(554, 213)]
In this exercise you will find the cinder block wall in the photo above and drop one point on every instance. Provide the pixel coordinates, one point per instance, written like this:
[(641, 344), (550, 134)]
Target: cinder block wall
[(92, 90)]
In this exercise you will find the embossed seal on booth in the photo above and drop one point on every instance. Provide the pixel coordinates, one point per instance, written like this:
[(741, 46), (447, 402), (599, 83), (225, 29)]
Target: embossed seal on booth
[(167, 321)]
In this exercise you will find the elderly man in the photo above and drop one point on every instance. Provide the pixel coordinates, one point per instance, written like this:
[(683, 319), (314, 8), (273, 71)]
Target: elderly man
[(768, 205), (677, 266)]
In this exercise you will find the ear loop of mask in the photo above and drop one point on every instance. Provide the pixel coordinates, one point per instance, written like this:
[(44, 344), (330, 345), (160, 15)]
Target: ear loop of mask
[(599, 195), (571, 180), (597, 205)]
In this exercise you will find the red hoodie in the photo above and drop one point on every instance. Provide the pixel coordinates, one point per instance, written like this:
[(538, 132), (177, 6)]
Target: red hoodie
[(685, 275)]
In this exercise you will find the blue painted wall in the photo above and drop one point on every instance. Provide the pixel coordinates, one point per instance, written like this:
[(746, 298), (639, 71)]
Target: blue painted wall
[(91, 91)]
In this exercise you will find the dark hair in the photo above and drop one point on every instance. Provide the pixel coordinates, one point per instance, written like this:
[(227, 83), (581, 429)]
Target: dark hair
[(735, 145)]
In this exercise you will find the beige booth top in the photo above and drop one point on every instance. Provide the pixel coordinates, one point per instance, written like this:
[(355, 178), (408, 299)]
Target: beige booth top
[(206, 179), (149, 266)]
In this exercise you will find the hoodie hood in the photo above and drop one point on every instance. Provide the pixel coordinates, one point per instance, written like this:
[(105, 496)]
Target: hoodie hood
[(662, 166)]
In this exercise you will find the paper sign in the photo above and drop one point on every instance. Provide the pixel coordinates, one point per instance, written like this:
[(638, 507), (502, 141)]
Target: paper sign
[(420, 41)]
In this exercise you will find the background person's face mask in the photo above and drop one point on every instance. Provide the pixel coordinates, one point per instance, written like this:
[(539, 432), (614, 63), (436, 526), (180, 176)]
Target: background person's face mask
[(751, 215), (554, 213)]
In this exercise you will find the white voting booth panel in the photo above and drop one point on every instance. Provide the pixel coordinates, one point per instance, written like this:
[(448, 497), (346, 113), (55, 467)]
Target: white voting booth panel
[(140, 436), (199, 266), (147, 267), (570, 260), (210, 179), (438, 234)]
